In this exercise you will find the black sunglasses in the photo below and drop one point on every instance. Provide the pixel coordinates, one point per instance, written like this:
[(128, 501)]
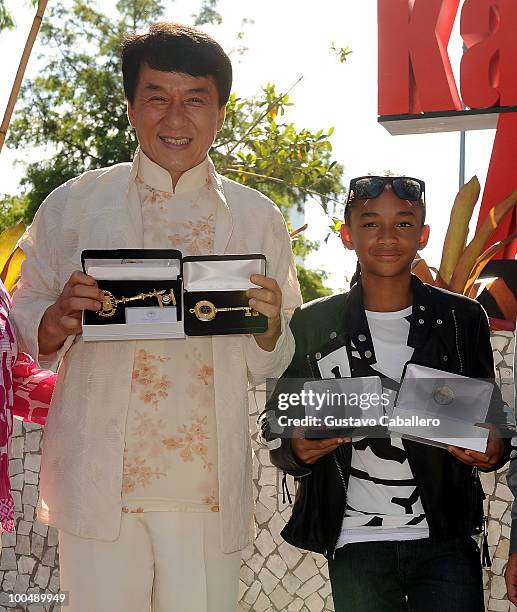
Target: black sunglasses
[(370, 187)]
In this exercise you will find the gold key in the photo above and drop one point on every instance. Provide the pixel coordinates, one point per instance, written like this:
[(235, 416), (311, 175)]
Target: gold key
[(110, 302), (206, 311)]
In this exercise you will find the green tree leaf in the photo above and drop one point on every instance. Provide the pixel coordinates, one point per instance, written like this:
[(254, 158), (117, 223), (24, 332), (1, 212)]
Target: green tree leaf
[(342, 53), (12, 211), (312, 283), (6, 18), (207, 13)]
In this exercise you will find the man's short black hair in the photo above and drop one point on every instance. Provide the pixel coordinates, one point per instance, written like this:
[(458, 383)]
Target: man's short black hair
[(173, 47)]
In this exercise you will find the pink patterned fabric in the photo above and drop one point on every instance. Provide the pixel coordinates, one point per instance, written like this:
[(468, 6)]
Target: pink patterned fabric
[(25, 392)]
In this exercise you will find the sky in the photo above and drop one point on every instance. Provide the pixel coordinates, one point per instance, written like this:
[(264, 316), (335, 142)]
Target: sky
[(290, 39)]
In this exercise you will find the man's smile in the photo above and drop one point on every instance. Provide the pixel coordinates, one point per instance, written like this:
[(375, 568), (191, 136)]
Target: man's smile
[(175, 142)]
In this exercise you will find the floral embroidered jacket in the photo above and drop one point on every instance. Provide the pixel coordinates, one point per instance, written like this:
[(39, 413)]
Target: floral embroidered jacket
[(82, 459), (25, 392)]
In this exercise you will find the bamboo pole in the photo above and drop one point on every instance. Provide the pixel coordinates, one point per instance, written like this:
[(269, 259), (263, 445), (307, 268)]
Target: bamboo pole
[(36, 24)]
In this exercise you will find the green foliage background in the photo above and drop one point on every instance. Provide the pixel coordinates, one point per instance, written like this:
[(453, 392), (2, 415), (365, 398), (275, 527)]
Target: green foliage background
[(6, 19), (75, 109)]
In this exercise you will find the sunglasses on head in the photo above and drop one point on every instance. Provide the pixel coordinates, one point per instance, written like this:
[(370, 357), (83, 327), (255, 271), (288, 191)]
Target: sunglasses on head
[(370, 187)]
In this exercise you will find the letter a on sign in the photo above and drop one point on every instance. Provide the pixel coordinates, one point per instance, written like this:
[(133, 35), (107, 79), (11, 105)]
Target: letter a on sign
[(488, 66), (415, 73)]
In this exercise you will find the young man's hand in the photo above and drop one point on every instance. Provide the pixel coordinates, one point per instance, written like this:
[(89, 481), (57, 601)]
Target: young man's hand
[(309, 451), (267, 301), (63, 318), (510, 576), (483, 461)]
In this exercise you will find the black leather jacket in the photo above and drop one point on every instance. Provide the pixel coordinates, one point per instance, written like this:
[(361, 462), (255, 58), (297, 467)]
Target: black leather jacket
[(448, 332)]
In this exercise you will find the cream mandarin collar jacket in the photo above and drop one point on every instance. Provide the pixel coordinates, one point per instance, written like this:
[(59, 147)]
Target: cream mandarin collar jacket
[(81, 471)]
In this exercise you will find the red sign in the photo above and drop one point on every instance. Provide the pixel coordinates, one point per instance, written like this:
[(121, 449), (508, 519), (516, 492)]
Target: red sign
[(418, 92), (488, 66), (415, 73)]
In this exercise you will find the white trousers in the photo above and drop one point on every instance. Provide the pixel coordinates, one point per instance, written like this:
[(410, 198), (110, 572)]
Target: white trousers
[(162, 561)]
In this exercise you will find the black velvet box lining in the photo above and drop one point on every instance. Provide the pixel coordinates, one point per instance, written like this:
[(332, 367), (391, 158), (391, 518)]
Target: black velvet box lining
[(224, 322), (129, 289)]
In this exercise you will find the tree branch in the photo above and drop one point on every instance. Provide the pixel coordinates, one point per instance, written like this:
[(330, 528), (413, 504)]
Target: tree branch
[(81, 149), (36, 24), (274, 179), (270, 107)]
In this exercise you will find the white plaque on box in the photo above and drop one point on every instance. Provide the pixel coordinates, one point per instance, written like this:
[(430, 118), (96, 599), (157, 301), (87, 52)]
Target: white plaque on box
[(143, 315)]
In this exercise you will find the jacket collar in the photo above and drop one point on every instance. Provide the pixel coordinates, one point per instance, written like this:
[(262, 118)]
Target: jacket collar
[(355, 323), (223, 221), (156, 177)]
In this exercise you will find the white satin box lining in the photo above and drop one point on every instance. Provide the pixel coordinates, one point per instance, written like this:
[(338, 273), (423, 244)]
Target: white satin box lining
[(132, 269), (221, 274)]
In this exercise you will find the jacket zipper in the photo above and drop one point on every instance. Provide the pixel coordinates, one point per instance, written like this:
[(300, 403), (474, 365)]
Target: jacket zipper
[(475, 474), (345, 487), (457, 340), (309, 365), (485, 552)]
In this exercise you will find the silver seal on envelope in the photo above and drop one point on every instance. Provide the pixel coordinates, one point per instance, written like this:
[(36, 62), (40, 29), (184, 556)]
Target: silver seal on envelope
[(443, 395)]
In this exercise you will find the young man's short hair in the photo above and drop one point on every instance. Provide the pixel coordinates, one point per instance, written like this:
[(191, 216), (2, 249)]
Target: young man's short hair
[(173, 47)]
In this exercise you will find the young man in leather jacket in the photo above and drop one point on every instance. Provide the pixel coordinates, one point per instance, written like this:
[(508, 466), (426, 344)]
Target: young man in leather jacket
[(393, 517)]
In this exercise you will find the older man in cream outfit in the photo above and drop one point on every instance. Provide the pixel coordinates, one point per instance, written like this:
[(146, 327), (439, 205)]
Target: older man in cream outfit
[(146, 467)]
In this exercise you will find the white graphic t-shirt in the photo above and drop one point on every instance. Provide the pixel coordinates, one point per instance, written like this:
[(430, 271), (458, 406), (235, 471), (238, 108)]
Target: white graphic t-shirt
[(383, 502)]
